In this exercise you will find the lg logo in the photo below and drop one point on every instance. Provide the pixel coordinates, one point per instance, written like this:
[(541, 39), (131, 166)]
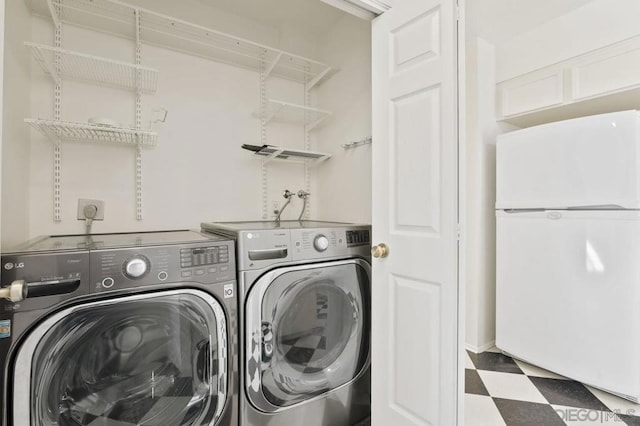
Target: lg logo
[(9, 265)]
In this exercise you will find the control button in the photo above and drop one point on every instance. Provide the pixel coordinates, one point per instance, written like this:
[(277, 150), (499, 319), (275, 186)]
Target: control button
[(212, 270), (136, 267), (186, 274), (199, 271), (108, 282), (320, 242), (224, 268), (162, 275)]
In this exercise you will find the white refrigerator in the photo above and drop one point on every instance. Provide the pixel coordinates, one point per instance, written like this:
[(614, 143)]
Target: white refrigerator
[(568, 249)]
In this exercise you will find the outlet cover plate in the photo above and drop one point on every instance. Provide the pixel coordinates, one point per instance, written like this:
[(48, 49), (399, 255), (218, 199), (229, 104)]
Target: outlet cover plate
[(82, 202)]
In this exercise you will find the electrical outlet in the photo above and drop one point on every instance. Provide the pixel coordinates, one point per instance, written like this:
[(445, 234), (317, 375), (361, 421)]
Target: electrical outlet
[(82, 203)]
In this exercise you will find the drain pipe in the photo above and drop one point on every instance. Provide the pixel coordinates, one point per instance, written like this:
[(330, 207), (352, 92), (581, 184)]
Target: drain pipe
[(287, 195)]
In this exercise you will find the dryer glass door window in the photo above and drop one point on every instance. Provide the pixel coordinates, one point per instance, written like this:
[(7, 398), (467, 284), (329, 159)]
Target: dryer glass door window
[(146, 359), (312, 335)]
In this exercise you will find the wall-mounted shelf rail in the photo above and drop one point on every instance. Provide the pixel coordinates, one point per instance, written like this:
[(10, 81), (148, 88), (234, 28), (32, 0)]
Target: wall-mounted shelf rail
[(70, 131), (285, 112), (93, 69), (116, 17), (354, 144), (269, 153)]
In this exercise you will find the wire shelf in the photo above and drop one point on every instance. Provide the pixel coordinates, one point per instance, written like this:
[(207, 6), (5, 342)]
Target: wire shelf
[(269, 153), (285, 112), (116, 17), (82, 67), (64, 130)]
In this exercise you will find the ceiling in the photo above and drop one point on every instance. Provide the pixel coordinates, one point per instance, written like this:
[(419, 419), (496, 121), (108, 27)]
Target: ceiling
[(500, 20), (493, 20), (310, 16)]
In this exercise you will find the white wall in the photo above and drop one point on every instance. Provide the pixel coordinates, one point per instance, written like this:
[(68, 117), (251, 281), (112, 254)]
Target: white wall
[(480, 202), (15, 134), (344, 182), (197, 172), (592, 26)]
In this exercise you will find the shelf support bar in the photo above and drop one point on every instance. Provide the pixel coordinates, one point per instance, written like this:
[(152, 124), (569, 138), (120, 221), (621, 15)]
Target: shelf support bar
[(138, 119), (57, 114), (307, 141), (264, 170)]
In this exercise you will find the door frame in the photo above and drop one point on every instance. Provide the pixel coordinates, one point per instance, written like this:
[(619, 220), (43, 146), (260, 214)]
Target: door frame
[(462, 206)]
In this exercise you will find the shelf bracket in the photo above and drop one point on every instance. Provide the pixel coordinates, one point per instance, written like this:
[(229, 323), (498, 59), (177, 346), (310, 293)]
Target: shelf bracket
[(273, 114), (319, 160), (315, 81), (45, 62), (54, 14), (273, 155), (272, 65), (315, 123)]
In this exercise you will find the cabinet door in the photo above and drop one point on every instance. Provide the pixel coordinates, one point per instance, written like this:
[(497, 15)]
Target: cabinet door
[(415, 213)]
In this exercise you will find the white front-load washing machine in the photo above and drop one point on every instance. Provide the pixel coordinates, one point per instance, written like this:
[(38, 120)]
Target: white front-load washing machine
[(304, 293), (118, 330)]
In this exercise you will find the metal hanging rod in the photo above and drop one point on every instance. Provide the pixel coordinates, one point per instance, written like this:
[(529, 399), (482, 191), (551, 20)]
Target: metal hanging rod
[(365, 141)]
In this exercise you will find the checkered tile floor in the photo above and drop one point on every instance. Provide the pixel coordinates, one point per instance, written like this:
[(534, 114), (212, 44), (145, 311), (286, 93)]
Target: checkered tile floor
[(502, 391)]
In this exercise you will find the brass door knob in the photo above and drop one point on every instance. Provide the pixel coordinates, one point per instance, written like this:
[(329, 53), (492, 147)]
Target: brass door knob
[(380, 250)]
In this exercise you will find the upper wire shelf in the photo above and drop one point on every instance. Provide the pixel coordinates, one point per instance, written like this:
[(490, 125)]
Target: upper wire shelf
[(286, 112), (89, 68), (66, 130), (116, 17)]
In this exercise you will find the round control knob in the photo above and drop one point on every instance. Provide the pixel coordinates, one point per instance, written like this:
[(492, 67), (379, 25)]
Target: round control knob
[(136, 267), (320, 243)]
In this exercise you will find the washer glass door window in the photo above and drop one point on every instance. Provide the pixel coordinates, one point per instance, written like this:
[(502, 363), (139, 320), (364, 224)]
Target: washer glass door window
[(307, 332), (158, 358)]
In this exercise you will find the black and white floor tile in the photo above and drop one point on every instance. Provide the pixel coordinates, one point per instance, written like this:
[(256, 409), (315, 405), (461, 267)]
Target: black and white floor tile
[(501, 391)]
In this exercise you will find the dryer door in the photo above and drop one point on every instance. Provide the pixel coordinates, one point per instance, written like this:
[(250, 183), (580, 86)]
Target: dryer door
[(307, 332), (156, 358)]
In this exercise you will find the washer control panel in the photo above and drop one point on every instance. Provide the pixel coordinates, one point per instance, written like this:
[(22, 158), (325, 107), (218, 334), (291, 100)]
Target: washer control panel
[(330, 242), (204, 263)]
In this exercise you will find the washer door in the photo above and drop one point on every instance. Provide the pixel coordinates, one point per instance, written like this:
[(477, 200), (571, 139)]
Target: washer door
[(307, 332), (153, 359)]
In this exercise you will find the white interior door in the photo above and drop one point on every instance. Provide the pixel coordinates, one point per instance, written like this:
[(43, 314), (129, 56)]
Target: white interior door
[(415, 198)]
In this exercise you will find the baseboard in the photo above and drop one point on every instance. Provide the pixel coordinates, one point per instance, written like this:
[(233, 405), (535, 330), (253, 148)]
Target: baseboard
[(481, 348)]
